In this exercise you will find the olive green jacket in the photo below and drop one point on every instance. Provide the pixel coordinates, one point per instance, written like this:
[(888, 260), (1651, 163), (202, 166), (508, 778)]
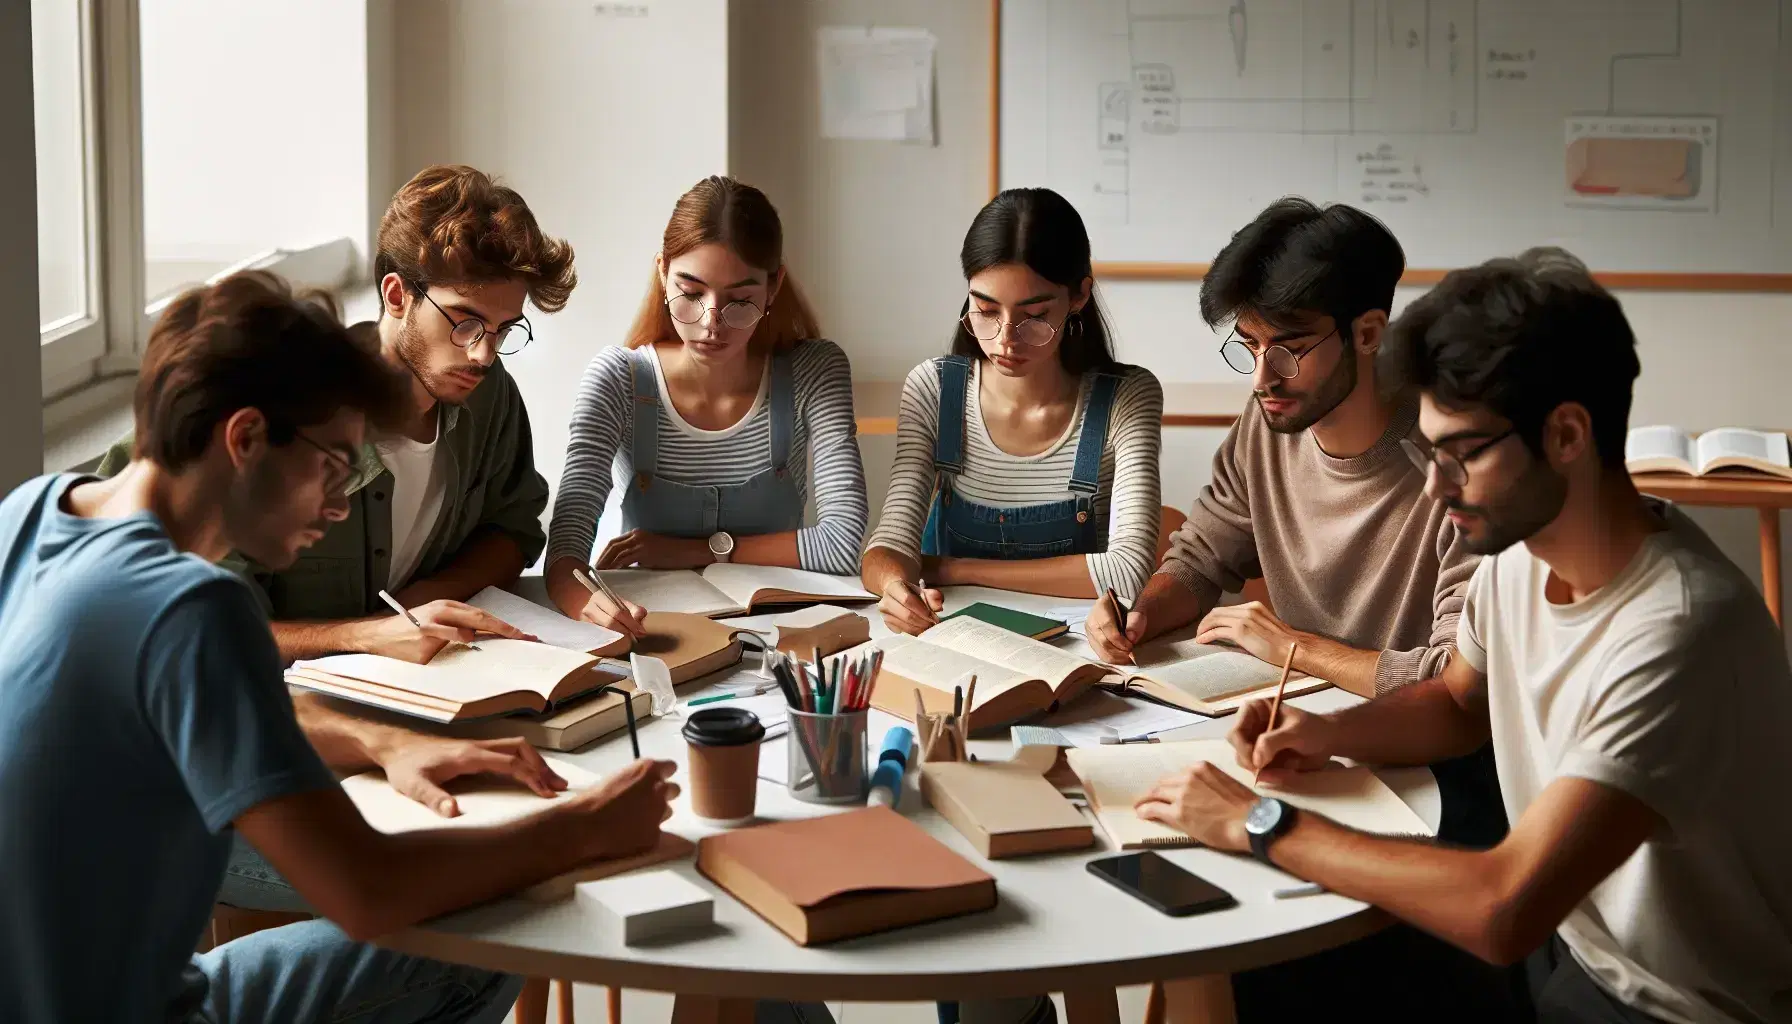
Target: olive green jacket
[(492, 483)]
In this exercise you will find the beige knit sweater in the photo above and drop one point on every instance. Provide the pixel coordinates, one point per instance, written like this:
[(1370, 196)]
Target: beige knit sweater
[(1350, 549)]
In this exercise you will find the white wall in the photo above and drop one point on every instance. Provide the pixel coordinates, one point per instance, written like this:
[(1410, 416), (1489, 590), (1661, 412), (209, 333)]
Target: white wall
[(254, 126), (599, 118), (21, 399), (875, 230)]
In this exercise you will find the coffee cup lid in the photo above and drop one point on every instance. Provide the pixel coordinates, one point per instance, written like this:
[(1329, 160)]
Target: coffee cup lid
[(723, 727)]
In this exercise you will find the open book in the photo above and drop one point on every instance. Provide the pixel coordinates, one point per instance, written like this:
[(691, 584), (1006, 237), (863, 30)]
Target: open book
[(1115, 777), (1672, 450), (1018, 676), (501, 677), (728, 588)]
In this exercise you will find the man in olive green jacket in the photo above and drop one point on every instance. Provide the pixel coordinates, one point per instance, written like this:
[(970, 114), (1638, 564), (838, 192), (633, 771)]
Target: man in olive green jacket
[(452, 503)]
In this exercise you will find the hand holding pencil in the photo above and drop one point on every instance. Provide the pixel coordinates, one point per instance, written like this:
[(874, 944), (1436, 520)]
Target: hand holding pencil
[(1273, 739)]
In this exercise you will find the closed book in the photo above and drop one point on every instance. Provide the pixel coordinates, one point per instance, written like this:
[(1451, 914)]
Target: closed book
[(838, 876), (1005, 809), (1039, 627)]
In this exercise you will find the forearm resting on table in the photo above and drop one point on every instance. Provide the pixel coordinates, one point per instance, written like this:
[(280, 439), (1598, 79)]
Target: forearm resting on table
[(768, 549), (1058, 576), (490, 558), (344, 742), (300, 640), (372, 884), (1498, 904), (1168, 605), (1416, 725), (1339, 664)]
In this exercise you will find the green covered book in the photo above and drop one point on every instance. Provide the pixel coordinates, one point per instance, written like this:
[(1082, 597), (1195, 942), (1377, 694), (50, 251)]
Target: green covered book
[(1039, 627)]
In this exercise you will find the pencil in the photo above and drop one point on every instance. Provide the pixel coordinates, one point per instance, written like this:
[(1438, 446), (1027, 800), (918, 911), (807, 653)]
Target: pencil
[(1275, 705), (970, 694), (1120, 610)]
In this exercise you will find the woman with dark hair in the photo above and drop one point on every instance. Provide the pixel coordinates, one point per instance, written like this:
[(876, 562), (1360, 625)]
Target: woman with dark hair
[(713, 411), (1027, 459)]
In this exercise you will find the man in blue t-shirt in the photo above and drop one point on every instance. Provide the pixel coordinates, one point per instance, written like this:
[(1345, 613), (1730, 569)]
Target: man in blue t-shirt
[(143, 715)]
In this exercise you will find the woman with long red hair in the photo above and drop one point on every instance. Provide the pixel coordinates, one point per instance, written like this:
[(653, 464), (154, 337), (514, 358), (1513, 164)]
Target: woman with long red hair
[(712, 412)]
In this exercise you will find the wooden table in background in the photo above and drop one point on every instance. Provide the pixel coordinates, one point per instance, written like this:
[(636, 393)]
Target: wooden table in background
[(1767, 495), (1185, 404)]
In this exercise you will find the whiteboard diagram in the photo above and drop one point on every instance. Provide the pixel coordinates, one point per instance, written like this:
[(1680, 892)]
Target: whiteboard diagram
[(1646, 135)]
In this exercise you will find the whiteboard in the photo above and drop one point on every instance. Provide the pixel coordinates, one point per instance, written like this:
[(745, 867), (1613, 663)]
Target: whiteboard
[(1645, 136)]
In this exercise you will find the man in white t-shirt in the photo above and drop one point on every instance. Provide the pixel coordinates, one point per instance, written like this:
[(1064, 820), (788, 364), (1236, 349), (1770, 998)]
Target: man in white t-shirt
[(1635, 688)]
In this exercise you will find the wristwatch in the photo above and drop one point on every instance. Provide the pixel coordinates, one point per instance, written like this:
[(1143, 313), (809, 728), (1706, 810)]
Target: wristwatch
[(721, 545), (1268, 819)]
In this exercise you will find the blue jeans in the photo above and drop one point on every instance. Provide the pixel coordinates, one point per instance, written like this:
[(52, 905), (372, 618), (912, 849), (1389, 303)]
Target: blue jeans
[(313, 972)]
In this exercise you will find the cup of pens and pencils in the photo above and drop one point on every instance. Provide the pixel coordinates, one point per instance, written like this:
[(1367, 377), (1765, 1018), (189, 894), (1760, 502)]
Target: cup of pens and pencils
[(829, 709)]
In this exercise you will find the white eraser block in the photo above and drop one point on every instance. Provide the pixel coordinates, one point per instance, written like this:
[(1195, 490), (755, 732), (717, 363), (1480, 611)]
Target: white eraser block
[(650, 905)]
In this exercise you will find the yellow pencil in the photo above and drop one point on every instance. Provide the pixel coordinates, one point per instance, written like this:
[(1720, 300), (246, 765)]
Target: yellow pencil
[(1275, 705)]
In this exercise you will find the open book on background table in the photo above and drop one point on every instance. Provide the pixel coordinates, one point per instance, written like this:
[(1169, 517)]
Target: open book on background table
[(1672, 450), (1115, 777), (1018, 676), (729, 588)]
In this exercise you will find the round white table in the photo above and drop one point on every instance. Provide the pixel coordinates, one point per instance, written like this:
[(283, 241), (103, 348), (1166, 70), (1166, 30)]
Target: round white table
[(1056, 928)]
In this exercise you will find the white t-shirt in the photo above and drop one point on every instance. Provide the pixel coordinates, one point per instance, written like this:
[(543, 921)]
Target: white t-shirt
[(1670, 683), (417, 486)]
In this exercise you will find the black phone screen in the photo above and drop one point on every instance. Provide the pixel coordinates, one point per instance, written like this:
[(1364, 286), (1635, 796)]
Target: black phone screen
[(1162, 884)]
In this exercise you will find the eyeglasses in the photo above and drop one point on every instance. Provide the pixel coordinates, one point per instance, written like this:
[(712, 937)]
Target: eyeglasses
[(1282, 362), (689, 309), (1451, 469), (469, 332), (341, 470), (1031, 331)]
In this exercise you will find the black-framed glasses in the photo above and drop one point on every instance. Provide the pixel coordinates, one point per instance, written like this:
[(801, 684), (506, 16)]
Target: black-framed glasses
[(1030, 331), (1281, 361), (507, 340), (1451, 469), (689, 309), (341, 470)]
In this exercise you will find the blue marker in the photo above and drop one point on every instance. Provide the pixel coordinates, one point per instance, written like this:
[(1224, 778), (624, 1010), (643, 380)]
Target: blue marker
[(892, 761)]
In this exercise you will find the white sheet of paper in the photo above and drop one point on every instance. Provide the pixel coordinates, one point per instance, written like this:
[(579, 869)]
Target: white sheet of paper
[(876, 83), (1086, 720), (551, 626), (483, 800)]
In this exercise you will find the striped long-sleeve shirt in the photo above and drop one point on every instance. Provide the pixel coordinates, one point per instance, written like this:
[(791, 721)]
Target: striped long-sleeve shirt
[(825, 432), (1127, 509)]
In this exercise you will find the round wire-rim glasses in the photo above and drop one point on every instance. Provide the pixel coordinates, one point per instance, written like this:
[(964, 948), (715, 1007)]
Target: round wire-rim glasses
[(469, 332), (1281, 360), (689, 309), (1030, 331)]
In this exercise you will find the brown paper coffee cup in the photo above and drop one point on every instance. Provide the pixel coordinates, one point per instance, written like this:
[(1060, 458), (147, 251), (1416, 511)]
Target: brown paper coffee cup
[(724, 763)]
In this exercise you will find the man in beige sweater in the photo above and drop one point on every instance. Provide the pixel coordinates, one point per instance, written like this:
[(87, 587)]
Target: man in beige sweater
[(1313, 492)]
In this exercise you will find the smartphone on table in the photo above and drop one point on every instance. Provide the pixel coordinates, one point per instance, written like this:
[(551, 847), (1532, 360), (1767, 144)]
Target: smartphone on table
[(1152, 878)]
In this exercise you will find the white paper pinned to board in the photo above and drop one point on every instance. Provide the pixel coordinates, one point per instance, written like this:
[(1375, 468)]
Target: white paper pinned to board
[(876, 83)]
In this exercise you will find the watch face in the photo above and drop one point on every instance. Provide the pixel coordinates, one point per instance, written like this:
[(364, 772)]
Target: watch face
[(1265, 815), (720, 543)]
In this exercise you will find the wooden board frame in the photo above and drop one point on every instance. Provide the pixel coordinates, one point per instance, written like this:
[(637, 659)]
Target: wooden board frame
[(1619, 280)]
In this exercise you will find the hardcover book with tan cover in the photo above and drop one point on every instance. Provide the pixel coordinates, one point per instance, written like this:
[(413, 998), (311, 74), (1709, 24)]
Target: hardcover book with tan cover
[(842, 875), (1004, 809)]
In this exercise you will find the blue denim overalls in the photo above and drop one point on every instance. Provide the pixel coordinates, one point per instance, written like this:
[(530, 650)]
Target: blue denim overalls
[(767, 502), (961, 528)]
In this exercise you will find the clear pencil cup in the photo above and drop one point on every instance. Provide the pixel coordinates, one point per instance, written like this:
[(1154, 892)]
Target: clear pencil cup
[(827, 757)]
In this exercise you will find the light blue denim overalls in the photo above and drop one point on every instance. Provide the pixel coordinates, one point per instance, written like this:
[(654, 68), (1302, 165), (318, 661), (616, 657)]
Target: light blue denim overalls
[(766, 502), (962, 528)]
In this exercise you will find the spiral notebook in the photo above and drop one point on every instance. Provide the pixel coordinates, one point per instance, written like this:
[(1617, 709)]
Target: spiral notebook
[(1115, 777)]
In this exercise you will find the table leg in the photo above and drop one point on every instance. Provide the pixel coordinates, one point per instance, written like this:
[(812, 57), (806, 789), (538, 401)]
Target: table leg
[(1205, 1000), (532, 1002), (689, 1009), (1091, 1006), (1770, 559)]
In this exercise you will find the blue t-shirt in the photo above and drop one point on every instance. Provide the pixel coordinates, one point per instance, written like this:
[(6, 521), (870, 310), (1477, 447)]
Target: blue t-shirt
[(142, 710)]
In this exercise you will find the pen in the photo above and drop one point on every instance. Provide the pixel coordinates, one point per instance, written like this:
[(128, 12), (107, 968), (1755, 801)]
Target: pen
[(1110, 741), (1276, 704), (1120, 610), (1293, 891), (711, 699), (406, 612)]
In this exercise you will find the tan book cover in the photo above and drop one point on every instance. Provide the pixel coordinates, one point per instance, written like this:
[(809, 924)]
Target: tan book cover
[(838, 876), (1004, 809)]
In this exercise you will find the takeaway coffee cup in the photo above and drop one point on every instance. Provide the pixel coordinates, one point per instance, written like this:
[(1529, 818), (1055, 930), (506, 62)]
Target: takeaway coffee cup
[(724, 763)]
